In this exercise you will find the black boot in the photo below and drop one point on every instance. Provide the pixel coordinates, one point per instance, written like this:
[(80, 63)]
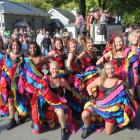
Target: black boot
[(86, 133), (63, 134), (11, 124), (132, 125), (20, 120)]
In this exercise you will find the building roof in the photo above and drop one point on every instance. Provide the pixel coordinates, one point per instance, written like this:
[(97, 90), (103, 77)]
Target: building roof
[(20, 8), (65, 13)]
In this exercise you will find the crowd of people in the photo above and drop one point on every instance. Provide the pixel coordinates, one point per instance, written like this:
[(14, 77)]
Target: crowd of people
[(95, 16), (59, 80)]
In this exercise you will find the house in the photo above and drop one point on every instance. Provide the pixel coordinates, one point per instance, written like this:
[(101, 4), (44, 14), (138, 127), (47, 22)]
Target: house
[(11, 13), (64, 16)]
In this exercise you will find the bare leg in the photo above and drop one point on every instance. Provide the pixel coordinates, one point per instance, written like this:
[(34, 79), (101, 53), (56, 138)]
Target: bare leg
[(61, 117), (11, 108), (62, 120), (109, 127), (12, 122), (86, 118)]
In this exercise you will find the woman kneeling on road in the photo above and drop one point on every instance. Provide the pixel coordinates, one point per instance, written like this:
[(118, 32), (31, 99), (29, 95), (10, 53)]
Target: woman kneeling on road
[(116, 106)]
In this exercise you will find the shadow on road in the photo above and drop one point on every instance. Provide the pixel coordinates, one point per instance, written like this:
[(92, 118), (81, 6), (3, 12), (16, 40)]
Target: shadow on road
[(3, 127)]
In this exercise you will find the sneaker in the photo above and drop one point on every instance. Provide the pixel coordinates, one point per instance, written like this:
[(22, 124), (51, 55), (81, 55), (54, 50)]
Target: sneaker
[(132, 125)]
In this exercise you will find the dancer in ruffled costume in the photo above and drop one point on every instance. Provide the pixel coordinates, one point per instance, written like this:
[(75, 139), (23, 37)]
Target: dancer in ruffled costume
[(124, 60), (1, 55), (57, 54), (115, 107), (71, 64), (36, 58), (13, 100), (134, 41), (87, 57), (72, 68), (43, 101), (87, 60), (60, 87)]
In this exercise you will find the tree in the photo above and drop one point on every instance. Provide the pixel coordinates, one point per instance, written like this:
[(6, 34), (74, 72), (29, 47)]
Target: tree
[(82, 7), (36, 3), (128, 9)]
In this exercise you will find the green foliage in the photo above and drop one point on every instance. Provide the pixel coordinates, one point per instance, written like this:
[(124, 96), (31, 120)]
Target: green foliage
[(57, 3), (131, 18), (36, 3), (128, 9), (70, 5)]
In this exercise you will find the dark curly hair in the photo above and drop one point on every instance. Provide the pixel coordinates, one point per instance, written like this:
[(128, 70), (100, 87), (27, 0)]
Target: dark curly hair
[(38, 51)]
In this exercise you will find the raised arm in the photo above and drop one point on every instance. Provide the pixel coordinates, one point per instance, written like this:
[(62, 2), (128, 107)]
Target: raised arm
[(103, 58), (81, 55), (69, 62)]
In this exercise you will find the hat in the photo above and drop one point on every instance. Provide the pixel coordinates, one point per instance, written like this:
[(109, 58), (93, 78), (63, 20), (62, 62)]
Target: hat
[(106, 11), (65, 35), (57, 35), (91, 9)]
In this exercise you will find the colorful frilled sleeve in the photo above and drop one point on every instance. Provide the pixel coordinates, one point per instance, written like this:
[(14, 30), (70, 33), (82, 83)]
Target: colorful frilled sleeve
[(9, 79), (82, 80), (116, 106), (34, 83), (131, 67)]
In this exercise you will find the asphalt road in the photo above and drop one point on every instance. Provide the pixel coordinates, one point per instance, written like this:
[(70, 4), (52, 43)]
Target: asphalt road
[(24, 132)]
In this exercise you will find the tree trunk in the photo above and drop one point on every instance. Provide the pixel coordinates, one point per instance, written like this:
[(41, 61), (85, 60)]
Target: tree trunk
[(82, 7)]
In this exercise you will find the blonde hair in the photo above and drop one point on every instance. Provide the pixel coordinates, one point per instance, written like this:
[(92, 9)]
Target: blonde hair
[(103, 73), (114, 46), (135, 33), (53, 63)]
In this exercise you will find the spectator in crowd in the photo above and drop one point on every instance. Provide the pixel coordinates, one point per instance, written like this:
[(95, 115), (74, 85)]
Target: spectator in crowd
[(46, 43), (103, 18), (79, 22), (40, 36)]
